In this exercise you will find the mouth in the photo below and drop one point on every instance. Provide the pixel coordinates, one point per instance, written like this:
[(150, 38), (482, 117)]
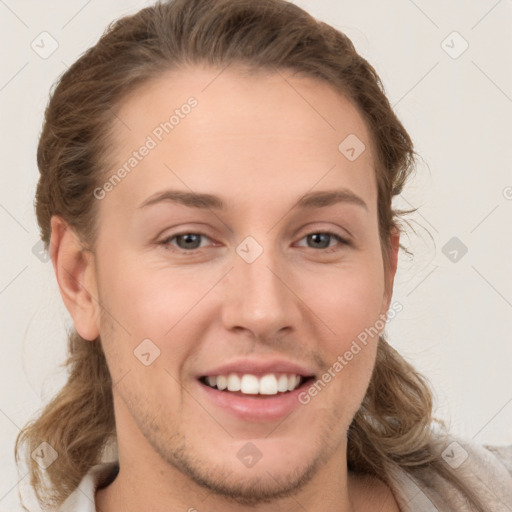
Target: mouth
[(255, 399), (248, 385)]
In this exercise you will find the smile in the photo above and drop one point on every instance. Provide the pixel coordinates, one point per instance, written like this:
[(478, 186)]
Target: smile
[(256, 399), (269, 384)]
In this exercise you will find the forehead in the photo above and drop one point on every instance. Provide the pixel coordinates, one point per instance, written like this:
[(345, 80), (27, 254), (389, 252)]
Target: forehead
[(265, 131)]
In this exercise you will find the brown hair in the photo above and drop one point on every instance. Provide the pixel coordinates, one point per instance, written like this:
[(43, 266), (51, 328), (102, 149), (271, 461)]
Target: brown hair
[(394, 423)]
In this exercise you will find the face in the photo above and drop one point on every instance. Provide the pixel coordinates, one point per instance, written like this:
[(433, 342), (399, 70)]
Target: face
[(264, 278)]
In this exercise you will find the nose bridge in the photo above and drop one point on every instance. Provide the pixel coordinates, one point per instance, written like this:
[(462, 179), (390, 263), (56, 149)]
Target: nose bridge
[(259, 299)]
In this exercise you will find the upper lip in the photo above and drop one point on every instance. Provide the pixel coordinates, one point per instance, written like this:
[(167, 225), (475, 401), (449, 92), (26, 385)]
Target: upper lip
[(259, 367)]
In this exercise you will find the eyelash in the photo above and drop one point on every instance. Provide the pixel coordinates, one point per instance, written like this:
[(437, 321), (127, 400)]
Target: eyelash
[(165, 243)]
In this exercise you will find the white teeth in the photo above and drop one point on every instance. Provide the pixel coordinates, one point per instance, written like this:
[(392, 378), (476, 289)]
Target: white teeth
[(233, 382), (293, 381), (222, 382), (282, 383), (249, 384), (268, 385)]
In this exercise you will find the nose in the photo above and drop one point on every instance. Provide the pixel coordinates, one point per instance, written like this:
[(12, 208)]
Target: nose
[(259, 297)]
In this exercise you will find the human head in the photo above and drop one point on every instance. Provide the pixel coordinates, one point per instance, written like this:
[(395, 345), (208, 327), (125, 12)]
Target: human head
[(75, 146)]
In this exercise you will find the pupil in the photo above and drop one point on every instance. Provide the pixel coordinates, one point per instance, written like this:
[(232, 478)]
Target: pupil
[(188, 238), (316, 237)]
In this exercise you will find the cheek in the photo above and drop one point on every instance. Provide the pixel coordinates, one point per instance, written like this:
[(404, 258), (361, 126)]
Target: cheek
[(348, 302), (150, 301), (159, 305)]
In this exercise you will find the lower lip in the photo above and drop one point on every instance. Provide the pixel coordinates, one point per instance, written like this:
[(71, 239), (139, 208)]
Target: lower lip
[(256, 408)]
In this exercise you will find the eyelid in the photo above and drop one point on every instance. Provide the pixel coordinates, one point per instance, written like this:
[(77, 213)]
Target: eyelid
[(318, 227)]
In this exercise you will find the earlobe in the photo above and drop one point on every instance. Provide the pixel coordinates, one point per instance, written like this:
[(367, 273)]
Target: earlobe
[(74, 270)]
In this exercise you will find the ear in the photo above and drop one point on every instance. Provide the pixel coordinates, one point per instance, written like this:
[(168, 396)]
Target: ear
[(390, 271), (74, 270)]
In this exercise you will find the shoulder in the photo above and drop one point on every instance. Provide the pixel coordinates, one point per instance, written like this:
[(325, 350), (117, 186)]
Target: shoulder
[(484, 466), (484, 469), (503, 454)]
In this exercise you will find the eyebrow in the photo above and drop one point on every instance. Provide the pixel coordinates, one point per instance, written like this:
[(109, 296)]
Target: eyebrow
[(317, 199)]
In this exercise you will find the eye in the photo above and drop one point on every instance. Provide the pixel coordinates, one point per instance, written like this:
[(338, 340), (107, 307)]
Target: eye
[(321, 239), (187, 242), (190, 243)]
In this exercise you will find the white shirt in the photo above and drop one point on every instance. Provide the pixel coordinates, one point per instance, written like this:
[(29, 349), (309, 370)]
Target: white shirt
[(486, 469)]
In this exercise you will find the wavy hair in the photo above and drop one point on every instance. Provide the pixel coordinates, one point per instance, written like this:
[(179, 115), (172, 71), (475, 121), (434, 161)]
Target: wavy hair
[(394, 423)]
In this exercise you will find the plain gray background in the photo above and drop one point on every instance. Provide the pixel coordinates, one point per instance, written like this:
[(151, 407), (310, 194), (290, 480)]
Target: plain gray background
[(457, 106)]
